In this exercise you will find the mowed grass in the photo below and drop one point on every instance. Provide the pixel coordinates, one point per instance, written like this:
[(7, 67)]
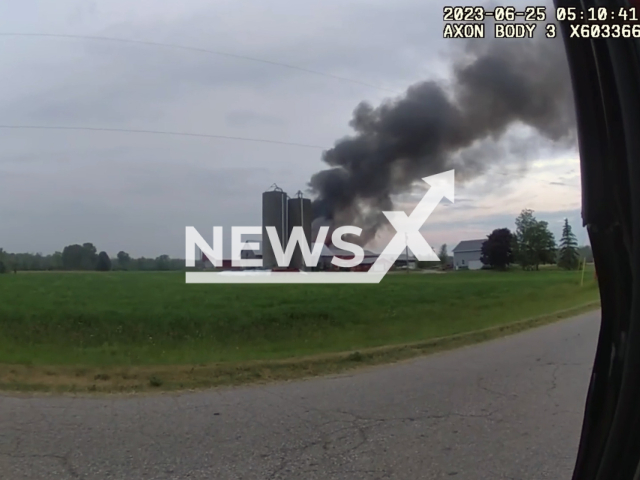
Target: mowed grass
[(138, 319)]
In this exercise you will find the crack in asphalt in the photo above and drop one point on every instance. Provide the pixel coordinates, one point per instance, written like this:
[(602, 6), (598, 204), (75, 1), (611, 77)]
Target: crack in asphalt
[(432, 418)]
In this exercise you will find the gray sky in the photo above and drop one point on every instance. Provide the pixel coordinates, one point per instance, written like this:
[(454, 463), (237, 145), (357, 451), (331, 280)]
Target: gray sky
[(137, 192)]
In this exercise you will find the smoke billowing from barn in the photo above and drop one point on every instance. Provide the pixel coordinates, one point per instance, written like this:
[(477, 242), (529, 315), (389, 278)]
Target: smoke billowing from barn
[(434, 127)]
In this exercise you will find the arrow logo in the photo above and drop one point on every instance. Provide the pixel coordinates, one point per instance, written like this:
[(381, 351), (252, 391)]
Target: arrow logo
[(407, 236), (408, 226)]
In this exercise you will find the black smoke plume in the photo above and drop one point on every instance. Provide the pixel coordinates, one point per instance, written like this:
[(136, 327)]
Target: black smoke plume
[(434, 127)]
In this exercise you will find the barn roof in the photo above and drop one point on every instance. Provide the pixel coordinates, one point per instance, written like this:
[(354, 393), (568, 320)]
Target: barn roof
[(469, 246)]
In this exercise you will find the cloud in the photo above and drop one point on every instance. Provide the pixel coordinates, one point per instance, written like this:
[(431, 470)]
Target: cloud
[(138, 192), (243, 118)]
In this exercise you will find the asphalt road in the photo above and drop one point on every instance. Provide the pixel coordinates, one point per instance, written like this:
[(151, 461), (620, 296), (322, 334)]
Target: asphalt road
[(507, 409)]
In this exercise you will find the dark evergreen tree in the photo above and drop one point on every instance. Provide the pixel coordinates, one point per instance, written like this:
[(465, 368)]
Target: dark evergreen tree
[(569, 257), (104, 262)]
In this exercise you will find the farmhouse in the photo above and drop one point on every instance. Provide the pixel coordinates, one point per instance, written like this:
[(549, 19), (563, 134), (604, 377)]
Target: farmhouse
[(466, 255)]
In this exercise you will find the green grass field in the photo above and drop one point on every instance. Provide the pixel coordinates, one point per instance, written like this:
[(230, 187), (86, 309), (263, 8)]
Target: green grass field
[(131, 318)]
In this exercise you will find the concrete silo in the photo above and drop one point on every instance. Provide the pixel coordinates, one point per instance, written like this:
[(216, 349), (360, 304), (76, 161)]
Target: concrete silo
[(300, 216), (274, 214)]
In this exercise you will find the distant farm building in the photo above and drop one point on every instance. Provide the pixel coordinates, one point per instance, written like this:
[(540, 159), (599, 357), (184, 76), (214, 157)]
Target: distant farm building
[(327, 254), (467, 254), (406, 260)]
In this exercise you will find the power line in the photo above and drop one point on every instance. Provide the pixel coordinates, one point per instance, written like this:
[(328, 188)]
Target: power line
[(159, 132), (222, 137), (200, 50)]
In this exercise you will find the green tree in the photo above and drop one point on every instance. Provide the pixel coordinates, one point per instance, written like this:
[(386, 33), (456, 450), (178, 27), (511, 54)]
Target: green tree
[(535, 244), (163, 262), (545, 244), (90, 247), (124, 260), (79, 257), (569, 257), (497, 250), (443, 255), (103, 264), (37, 262), (145, 264), (73, 257), (3, 267), (90, 258), (56, 261)]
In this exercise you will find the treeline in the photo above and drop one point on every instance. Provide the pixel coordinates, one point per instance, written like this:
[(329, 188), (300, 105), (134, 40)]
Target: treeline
[(84, 257), (532, 245)]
